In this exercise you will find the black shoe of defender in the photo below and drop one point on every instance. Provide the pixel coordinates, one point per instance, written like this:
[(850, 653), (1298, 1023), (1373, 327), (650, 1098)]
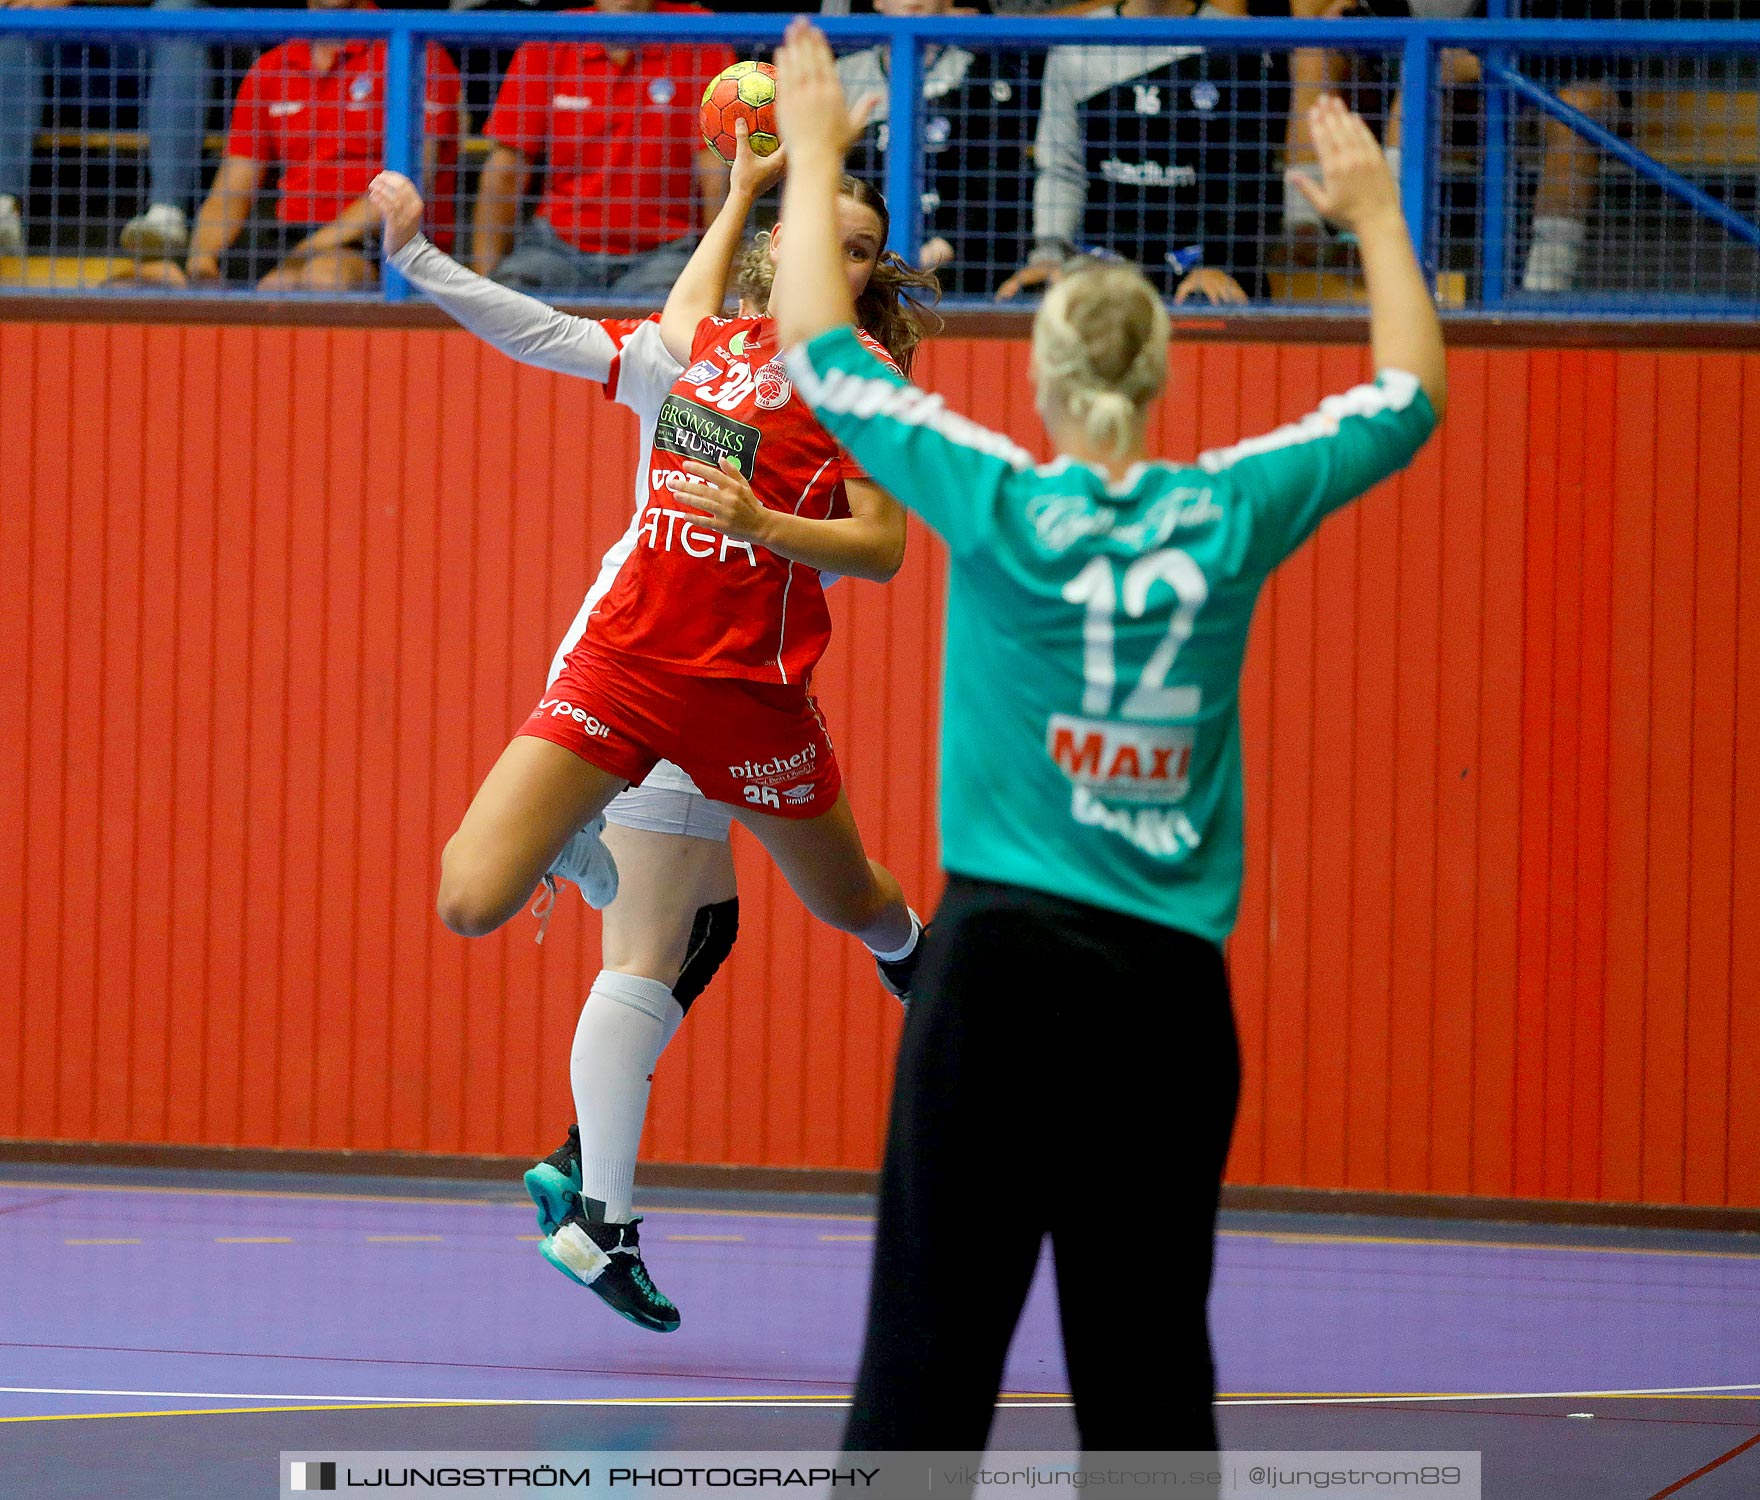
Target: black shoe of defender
[(555, 1183), (901, 973), (605, 1259)]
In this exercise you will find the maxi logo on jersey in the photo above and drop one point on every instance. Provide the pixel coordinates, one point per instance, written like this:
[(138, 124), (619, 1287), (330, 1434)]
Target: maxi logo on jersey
[(1122, 762)]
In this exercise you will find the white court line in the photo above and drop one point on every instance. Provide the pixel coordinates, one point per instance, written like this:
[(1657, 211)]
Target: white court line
[(781, 1402), (808, 1399), (1667, 1390)]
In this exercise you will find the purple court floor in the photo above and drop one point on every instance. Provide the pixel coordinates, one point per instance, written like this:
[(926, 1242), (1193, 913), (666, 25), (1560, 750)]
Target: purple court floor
[(212, 1322)]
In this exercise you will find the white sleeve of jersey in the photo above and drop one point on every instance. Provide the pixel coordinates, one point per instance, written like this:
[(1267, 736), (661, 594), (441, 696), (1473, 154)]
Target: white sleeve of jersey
[(521, 327), (646, 371)]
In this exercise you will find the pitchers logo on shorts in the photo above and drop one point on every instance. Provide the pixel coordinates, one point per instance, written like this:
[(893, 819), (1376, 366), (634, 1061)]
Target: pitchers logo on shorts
[(561, 708), (778, 768), (774, 388), (1125, 762)]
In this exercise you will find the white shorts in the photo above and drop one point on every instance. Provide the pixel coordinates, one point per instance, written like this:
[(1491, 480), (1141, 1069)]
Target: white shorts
[(668, 802)]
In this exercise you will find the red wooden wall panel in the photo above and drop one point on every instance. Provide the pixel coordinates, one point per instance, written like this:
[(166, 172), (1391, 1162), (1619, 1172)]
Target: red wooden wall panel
[(274, 598)]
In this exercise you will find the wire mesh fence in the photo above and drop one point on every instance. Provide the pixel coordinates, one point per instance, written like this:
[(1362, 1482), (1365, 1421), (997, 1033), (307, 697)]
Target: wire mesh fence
[(1572, 177), (563, 154)]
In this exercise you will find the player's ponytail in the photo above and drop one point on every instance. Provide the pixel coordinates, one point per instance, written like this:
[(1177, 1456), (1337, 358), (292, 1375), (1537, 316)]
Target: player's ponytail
[(754, 273), (1100, 348), (896, 306)]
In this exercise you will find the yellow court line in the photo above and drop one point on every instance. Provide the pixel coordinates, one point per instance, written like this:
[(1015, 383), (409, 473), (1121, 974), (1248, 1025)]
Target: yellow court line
[(1477, 1396), (266, 1239), (289, 1193), (717, 1239), (531, 1237), (1296, 1238), (227, 1411), (100, 1242), (828, 1400), (1007, 1398), (861, 1239), (1291, 1237)]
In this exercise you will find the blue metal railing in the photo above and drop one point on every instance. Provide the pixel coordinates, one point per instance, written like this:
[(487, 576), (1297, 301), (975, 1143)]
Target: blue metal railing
[(1417, 43)]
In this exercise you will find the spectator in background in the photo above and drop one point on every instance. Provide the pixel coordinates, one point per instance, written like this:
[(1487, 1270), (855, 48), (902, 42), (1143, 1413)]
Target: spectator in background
[(1161, 155), (1315, 72), (173, 116), (23, 63), (975, 109), (315, 110), (629, 179), (1570, 166)]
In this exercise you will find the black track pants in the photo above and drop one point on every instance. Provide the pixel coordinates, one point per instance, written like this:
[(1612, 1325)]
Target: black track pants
[(1068, 1071)]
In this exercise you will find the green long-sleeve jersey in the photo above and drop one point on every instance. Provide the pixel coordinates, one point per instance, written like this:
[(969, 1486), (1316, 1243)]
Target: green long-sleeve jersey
[(1090, 728)]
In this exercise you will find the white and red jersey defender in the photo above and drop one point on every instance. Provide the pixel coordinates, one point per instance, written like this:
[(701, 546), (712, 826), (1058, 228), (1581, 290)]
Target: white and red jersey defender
[(687, 597)]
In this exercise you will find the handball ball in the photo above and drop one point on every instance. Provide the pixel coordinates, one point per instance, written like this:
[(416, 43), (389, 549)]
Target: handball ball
[(746, 91)]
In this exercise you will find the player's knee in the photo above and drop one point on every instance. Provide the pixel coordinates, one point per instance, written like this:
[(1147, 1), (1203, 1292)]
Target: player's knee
[(470, 903)]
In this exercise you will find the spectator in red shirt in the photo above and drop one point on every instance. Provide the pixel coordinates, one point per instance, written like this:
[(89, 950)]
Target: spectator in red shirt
[(314, 108), (617, 127)]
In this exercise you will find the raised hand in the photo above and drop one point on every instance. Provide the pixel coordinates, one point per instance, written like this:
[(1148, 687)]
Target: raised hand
[(1356, 182), (753, 173), (810, 109), (396, 198)]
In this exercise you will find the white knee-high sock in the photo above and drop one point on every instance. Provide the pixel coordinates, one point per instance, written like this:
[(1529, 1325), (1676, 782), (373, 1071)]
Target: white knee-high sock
[(909, 943), (624, 1027)]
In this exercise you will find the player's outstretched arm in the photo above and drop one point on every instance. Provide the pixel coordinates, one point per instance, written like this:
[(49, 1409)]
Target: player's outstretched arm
[(1358, 191), (521, 327), (701, 288)]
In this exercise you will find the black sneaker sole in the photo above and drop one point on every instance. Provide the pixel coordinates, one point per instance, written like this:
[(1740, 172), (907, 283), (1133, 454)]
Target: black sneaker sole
[(641, 1320)]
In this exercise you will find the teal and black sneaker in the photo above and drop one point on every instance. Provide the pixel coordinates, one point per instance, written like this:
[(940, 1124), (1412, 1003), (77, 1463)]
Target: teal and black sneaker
[(606, 1259), (555, 1183)]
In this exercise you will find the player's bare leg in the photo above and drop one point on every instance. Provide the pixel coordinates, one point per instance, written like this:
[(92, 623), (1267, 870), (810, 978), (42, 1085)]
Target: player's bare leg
[(825, 864), (671, 925), (534, 799), (664, 880)]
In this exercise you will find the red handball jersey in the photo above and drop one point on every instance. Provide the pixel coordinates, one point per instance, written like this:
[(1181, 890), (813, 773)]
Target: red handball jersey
[(325, 128), (688, 597)]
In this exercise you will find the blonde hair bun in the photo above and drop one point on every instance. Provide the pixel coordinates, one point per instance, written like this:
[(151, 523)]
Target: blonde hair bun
[(1100, 344)]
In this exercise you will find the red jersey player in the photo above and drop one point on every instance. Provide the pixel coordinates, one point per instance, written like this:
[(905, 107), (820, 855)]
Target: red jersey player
[(717, 680)]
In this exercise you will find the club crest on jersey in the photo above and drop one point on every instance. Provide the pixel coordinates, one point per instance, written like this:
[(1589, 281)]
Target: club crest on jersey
[(1205, 97), (662, 91), (701, 373), (774, 388)]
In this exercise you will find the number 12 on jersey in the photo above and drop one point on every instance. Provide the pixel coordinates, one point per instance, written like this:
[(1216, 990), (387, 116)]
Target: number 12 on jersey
[(1102, 591)]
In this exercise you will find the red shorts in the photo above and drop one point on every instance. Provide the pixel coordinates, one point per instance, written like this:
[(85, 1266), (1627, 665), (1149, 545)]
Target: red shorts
[(753, 744)]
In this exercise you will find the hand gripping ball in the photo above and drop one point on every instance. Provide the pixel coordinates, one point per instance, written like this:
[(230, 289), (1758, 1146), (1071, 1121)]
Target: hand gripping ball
[(745, 91)]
